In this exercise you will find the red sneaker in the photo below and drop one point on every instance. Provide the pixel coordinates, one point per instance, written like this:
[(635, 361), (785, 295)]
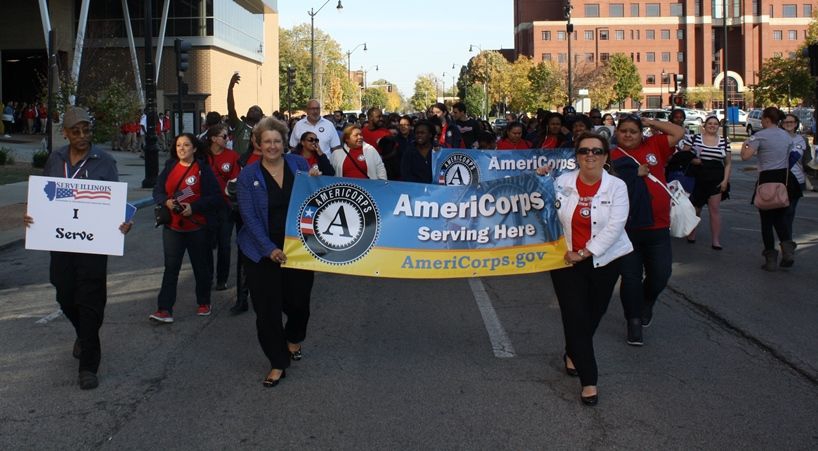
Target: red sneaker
[(203, 310), (162, 316)]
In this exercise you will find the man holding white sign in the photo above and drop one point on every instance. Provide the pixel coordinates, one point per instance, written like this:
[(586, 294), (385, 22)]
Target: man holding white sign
[(80, 278)]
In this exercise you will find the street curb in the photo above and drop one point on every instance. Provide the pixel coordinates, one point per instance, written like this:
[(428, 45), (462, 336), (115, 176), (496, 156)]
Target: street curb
[(141, 203)]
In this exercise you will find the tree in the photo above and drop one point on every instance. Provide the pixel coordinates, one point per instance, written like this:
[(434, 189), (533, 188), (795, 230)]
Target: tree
[(625, 76), (331, 75), (425, 92), (374, 97), (704, 95), (547, 85), (474, 100), (784, 81), (113, 105)]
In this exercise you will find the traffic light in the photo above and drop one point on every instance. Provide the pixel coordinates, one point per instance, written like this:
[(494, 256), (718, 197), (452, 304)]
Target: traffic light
[(182, 57), (290, 75), (811, 52), (388, 88), (183, 89)]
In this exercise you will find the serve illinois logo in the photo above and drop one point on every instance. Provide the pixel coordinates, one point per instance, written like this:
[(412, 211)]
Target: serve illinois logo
[(339, 223), (85, 191)]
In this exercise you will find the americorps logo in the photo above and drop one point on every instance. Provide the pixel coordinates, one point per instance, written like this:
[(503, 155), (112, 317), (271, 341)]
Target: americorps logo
[(339, 223), (85, 191), (459, 169)]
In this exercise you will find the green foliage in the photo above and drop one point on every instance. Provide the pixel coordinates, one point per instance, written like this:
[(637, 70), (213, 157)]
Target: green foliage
[(784, 81), (39, 158), (474, 99), (547, 85), (625, 76), (5, 156), (425, 92), (62, 96), (113, 105), (374, 97)]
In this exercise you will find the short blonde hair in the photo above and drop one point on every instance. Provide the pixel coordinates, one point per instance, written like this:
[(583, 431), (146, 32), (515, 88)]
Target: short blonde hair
[(348, 131), (269, 123)]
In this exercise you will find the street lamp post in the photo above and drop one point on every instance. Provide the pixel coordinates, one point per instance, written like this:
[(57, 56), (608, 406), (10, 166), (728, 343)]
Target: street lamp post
[(569, 28), (350, 52), (485, 82), (662, 87), (312, 14)]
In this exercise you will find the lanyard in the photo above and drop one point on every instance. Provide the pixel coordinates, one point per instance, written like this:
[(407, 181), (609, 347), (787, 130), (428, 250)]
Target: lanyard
[(65, 169)]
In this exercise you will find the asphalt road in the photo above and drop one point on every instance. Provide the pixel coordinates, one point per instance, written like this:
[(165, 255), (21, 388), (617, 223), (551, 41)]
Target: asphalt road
[(731, 360)]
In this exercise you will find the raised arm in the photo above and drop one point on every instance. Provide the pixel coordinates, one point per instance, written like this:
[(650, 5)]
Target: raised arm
[(674, 132), (231, 102)]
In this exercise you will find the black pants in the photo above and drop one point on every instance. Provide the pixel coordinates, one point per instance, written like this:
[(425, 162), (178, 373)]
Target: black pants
[(275, 290), (645, 271), (197, 245), (583, 293), (81, 281), (241, 275), (222, 242)]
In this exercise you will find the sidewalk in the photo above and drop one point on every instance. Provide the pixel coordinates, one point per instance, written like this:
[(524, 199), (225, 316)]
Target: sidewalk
[(13, 196)]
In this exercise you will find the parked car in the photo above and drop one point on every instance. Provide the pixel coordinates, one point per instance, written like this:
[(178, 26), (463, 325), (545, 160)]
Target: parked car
[(719, 113), (658, 114), (754, 121), (499, 125)]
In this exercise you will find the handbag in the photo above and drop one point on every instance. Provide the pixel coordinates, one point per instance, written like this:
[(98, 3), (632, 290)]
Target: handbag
[(683, 218), (772, 195), (161, 212)]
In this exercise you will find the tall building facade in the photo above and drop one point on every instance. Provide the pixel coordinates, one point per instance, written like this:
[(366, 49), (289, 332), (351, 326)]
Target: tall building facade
[(227, 36), (666, 38)]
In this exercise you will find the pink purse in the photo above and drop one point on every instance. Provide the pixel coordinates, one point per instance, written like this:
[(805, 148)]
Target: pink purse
[(770, 196)]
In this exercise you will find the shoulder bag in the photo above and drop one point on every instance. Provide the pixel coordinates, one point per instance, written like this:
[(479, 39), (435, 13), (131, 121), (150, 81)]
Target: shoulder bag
[(772, 195)]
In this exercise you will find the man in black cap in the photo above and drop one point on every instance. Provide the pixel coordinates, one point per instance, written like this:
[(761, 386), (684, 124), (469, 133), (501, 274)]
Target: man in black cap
[(81, 280)]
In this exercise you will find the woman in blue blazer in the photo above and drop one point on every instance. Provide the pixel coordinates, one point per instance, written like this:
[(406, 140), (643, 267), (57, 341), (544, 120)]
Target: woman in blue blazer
[(263, 192)]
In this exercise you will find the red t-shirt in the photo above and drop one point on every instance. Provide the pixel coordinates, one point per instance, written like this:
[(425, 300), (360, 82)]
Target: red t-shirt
[(189, 192), (505, 144), (550, 142), (654, 151), (253, 158), (226, 167), (350, 168), (372, 137), (581, 221)]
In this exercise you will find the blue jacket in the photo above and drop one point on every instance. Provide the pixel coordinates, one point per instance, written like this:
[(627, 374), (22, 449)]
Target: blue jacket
[(640, 214), (251, 190)]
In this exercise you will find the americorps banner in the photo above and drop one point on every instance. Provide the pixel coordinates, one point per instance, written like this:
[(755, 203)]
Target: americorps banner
[(412, 230), (469, 166)]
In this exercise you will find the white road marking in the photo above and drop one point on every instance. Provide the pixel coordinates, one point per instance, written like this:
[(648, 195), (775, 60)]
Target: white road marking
[(50, 317), (747, 230), (500, 343)]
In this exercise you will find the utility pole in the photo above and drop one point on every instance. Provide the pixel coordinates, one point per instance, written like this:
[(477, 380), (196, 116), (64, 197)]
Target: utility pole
[(151, 152), (569, 28)]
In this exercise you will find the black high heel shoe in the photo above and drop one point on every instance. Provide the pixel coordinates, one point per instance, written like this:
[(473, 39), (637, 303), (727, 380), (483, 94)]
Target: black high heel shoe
[(270, 382), (295, 355), (590, 400), (569, 371)]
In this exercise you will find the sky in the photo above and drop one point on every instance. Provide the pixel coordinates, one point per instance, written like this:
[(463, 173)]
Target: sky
[(408, 38)]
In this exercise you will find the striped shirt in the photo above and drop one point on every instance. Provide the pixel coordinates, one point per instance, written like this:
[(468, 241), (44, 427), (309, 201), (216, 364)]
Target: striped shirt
[(705, 152)]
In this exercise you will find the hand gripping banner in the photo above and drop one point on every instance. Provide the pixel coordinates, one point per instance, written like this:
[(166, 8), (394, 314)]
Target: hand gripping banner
[(411, 230)]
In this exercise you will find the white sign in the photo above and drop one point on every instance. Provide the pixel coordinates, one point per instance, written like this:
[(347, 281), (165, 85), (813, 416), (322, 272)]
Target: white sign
[(76, 215)]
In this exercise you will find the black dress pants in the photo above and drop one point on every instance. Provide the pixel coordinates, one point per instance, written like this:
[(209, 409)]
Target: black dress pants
[(81, 281), (275, 290), (583, 293)]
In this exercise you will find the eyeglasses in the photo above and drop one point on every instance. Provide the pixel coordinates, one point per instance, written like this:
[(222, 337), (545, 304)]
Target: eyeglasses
[(223, 136), (311, 140), (593, 150)]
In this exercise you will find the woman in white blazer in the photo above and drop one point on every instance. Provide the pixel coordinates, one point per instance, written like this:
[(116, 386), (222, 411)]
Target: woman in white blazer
[(592, 208), (356, 158)]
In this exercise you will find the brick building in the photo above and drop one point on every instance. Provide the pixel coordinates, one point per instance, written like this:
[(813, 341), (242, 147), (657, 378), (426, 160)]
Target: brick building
[(226, 35), (666, 37)]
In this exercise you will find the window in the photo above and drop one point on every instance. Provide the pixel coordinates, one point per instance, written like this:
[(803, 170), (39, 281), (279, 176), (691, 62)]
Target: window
[(562, 58), (603, 57), (665, 57), (592, 10), (777, 35), (546, 57), (634, 35), (680, 34), (653, 101), (756, 7), (776, 54), (589, 57), (603, 35), (650, 57), (546, 35), (616, 10), (789, 11), (560, 35), (653, 10), (589, 35), (634, 9), (680, 57), (650, 80), (650, 35), (665, 34), (793, 55), (792, 35), (665, 79), (807, 10), (620, 35), (677, 9)]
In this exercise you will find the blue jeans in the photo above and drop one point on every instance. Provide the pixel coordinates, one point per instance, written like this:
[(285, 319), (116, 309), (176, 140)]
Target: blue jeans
[(222, 241), (645, 271), (197, 245)]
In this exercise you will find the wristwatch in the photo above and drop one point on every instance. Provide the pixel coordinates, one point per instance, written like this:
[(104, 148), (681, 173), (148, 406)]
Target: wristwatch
[(582, 253)]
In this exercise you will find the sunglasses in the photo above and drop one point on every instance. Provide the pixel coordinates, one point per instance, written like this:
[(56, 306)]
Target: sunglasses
[(312, 140), (593, 150), (223, 136)]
